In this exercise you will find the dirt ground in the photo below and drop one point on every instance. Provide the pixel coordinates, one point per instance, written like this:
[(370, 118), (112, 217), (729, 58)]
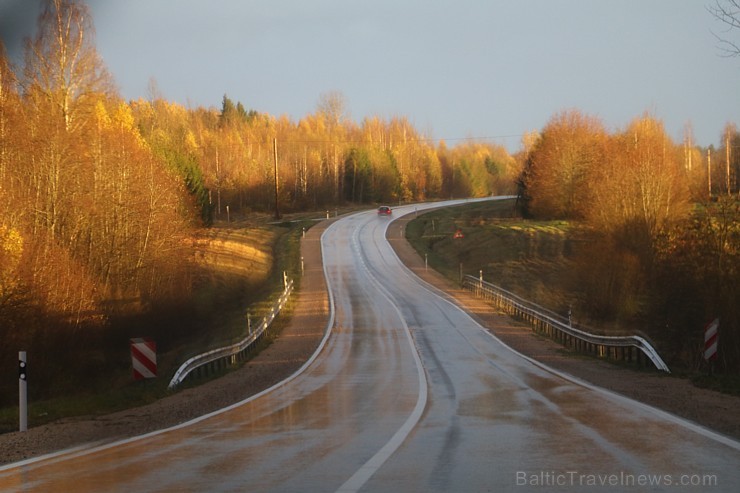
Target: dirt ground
[(302, 336)]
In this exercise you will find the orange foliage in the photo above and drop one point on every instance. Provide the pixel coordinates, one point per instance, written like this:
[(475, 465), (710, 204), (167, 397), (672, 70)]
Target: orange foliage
[(562, 163)]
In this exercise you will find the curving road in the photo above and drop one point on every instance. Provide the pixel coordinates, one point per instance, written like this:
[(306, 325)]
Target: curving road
[(407, 393)]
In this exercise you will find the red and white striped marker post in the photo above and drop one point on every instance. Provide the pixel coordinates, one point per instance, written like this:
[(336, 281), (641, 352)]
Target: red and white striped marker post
[(711, 338), (144, 358)]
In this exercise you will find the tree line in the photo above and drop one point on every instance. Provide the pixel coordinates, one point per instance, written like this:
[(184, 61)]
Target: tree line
[(324, 159), (88, 213), (663, 223), (101, 198)]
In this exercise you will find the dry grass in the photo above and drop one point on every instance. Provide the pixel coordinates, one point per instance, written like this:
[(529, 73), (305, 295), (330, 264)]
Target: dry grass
[(242, 252)]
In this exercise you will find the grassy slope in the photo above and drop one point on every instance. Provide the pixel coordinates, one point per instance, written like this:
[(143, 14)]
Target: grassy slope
[(239, 272), (529, 258)]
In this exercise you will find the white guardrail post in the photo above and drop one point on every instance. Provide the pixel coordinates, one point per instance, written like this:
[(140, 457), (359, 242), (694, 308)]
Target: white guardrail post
[(561, 328), (228, 353)]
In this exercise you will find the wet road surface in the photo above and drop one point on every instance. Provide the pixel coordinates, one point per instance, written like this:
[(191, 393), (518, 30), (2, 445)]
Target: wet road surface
[(408, 393)]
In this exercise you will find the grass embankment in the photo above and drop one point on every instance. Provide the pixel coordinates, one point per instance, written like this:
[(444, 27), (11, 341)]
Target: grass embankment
[(529, 258), (547, 262), (240, 269)]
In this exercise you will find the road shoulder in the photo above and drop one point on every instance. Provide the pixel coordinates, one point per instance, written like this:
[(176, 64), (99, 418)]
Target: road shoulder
[(302, 336), (678, 396)]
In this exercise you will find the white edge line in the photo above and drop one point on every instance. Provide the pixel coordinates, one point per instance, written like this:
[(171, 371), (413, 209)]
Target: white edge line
[(690, 425), (84, 450), (706, 432)]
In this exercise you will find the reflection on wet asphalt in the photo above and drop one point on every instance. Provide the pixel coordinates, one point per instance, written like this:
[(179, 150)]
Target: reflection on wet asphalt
[(491, 420)]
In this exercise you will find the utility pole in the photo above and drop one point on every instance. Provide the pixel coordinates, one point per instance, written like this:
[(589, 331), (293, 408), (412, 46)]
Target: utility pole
[(218, 185), (709, 171), (277, 186), (727, 157)]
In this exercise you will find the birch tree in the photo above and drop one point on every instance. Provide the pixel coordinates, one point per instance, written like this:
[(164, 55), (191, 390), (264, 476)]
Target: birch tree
[(62, 66), (642, 187)]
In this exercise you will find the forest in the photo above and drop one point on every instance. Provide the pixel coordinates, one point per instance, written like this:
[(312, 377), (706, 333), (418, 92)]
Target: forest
[(660, 227), (102, 199)]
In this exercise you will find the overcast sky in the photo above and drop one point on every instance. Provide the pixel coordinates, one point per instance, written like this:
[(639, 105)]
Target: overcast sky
[(492, 69)]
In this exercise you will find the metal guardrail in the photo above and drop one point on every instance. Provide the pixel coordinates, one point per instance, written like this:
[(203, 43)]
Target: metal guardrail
[(228, 355), (622, 348)]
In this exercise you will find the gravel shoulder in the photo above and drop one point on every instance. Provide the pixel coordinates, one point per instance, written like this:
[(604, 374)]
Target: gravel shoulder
[(302, 336)]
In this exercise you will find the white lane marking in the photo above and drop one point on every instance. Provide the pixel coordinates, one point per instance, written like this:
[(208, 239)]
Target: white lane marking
[(88, 449), (672, 418), (366, 471)]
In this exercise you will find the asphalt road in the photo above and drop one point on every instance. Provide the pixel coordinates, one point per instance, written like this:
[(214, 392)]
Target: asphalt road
[(407, 393)]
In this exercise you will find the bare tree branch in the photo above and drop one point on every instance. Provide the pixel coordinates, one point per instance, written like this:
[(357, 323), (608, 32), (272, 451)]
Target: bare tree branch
[(727, 12)]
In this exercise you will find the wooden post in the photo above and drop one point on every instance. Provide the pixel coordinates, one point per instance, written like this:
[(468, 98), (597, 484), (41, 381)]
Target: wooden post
[(218, 185)]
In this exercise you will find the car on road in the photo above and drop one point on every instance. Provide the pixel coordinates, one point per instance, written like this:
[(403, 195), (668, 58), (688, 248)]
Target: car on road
[(384, 210)]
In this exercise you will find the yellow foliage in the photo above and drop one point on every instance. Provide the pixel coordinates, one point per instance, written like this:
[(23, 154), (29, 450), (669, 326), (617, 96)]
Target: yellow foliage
[(191, 145), (11, 250), (143, 109), (123, 118), (11, 243), (101, 114)]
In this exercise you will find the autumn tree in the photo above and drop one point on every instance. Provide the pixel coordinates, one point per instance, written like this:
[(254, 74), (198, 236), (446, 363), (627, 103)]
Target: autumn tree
[(313, 183), (8, 105), (698, 279), (63, 77), (480, 169), (642, 185), (331, 110), (99, 207), (324, 158), (358, 174), (384, 181), (140, 212), (11, 131), (62, 67), (694, 165), (629, 188), (638, 193), (11, 240), (166, 128), (559, 168)]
